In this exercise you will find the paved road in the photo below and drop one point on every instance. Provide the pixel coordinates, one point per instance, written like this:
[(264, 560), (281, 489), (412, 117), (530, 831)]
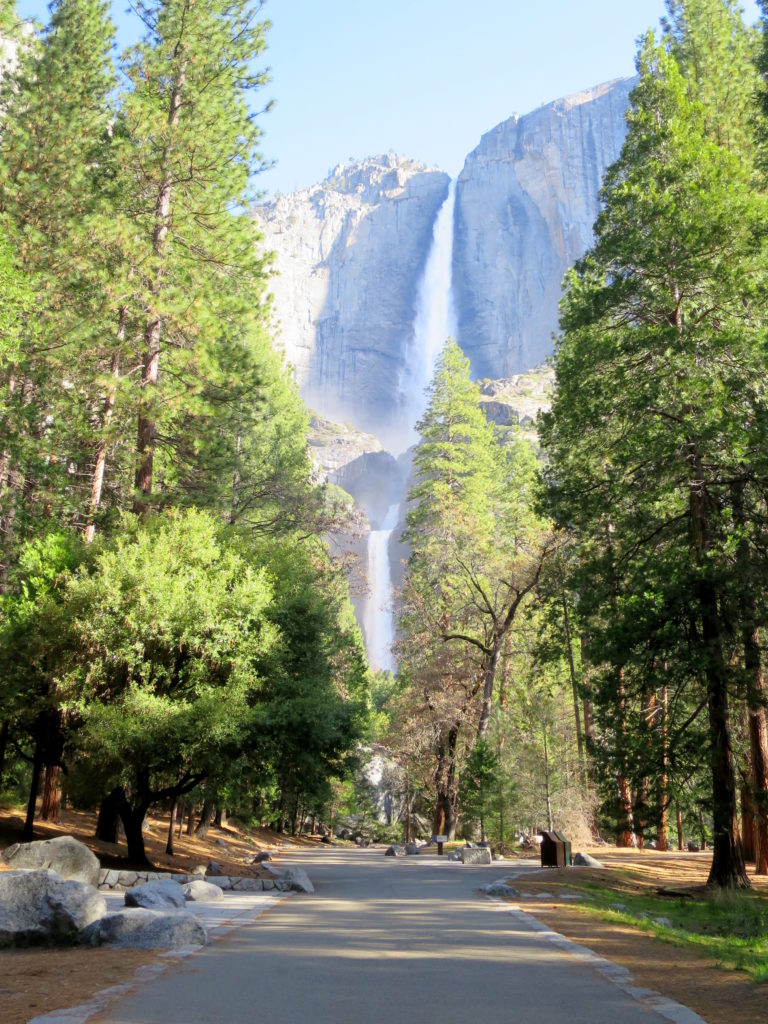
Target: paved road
[(383, 941)]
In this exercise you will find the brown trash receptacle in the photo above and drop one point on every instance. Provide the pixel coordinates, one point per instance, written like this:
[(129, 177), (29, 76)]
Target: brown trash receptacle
[(555, 850)]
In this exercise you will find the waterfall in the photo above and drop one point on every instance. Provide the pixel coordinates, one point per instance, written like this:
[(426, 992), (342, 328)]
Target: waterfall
[(379, 620), (435, 320)]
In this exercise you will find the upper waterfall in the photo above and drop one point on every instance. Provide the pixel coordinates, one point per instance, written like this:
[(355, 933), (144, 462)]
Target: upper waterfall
[(435, 319)]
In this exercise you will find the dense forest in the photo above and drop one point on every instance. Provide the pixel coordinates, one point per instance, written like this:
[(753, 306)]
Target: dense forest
[(583, 620), (173, 628), (583, 635)]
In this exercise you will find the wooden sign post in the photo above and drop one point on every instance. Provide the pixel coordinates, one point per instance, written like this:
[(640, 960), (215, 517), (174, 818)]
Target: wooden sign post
[(440, 840)]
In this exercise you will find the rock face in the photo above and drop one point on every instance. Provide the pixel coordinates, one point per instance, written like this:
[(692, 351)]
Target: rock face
[(39, 907), (70, 859), (526, 201), (351, 251), (349, 254)]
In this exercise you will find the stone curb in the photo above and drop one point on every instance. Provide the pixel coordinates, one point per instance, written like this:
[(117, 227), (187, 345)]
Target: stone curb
[(111, 880), (615, 973), (101, 1000)]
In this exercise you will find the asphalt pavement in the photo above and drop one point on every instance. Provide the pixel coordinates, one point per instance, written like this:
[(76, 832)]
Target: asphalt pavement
[(387, 941)]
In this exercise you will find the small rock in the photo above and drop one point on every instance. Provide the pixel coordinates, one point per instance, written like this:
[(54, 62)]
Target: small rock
[(220, 842), (475, 855), (128, 878), (222, 881), (198, 891), (214, 868), (618, 907), (156, 895), (456, 856), (394, 851), (664, 922), (412, 849), (585, 860), (146, 929), (500, 889), (295, 880), (198, 869), (267, 884), (69, 858), (264, 855), (327, 840)]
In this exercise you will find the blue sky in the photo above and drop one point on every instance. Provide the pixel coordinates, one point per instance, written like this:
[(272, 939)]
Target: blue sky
[(425, 78)]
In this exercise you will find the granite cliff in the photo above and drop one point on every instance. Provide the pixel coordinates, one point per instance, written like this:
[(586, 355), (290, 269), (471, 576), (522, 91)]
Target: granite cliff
[(350, 252), (526, 201)]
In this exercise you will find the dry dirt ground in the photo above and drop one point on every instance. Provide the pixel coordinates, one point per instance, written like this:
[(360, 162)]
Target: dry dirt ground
[(36, 981), (719, 996)]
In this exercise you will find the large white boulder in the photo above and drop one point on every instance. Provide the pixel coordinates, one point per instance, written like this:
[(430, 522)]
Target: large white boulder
[(65, 855), (138, 928), (38, 906)]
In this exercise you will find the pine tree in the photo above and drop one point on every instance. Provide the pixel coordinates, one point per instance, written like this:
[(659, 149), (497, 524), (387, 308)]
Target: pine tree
[(659, 407), (191, 144), (477, 552)]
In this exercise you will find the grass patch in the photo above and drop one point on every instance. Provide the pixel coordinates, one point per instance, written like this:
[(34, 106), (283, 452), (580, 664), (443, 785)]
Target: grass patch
[(729, 927)]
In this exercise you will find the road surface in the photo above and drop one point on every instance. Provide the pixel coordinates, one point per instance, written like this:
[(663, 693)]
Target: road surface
[(383, 941)]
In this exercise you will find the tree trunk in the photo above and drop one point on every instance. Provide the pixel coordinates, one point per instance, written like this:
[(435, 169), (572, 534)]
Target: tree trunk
[(747, 824), (171, 826), (220, 820), (37, 766), (575, 692), (488, 681), (758, 748), (133, 821), (550, 825), (680, 836), (97, 478), (753, 668), (191, 819), (727, 869), (51, 805), (661, 837), (625, 833), (206, 816), (445, 817), (147, 427), (4, 731), (109, 818)]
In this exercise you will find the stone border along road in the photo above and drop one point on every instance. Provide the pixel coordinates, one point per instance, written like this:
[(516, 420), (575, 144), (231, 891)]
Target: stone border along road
[(231, 911)]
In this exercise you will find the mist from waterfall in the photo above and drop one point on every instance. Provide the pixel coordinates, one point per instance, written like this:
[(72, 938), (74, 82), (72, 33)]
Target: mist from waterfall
[(435, 320), (379, 619)]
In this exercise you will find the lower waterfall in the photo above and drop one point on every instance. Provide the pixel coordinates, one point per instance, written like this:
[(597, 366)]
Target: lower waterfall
[(379, 617)]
